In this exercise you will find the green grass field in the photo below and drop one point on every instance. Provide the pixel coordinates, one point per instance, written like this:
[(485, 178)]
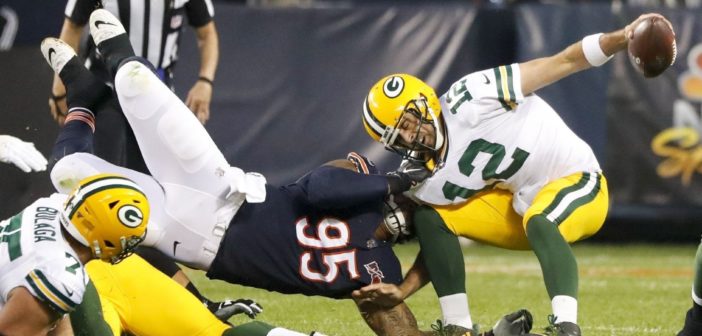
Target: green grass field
[(624, 290)]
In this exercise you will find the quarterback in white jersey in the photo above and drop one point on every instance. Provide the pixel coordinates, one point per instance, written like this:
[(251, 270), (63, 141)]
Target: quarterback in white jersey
[(503, 169), (520, 142)]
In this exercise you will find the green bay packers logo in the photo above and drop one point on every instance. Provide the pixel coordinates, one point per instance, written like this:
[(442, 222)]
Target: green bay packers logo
[(393, 86), (130, 216)]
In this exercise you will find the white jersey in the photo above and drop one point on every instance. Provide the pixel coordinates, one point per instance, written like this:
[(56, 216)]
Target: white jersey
[(34, 255), (497, 138)]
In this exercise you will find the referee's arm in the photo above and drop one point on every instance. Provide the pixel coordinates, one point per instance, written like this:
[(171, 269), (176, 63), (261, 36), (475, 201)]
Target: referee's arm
[(200, 94)]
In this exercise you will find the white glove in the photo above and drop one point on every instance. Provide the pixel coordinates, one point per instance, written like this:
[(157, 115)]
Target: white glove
[(22, 154)]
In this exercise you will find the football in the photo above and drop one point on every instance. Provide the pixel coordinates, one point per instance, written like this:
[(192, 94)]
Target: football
[(652, 49)]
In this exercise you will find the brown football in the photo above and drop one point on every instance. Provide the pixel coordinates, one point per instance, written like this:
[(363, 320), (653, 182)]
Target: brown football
[(652, 50)]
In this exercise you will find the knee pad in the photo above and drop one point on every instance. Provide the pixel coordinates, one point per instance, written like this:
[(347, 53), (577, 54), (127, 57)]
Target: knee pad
[(191, 145), (71, 169), (134, 83)]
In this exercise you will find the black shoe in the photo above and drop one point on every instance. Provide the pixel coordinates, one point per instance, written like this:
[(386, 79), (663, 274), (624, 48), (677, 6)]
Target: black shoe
[(514, 324), (439, 329), (692, 326), (562, 328)]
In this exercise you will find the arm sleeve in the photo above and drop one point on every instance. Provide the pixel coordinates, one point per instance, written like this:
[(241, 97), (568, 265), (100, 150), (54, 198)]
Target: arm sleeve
[(332, 187), (79, 11), (199, 12), (87, 319)]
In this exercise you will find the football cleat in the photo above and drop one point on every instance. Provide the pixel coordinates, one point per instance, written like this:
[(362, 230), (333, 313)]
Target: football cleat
[(692, 326), (57, 53), (440, 329), (104, 26), (562, 328)]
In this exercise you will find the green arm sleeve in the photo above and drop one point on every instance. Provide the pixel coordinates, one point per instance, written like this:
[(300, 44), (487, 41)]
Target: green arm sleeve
[(87, 319)]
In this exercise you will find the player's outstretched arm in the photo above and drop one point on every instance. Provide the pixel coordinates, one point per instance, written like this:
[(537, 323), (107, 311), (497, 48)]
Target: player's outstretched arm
[(593, 50), (397, 320), (390, 295)]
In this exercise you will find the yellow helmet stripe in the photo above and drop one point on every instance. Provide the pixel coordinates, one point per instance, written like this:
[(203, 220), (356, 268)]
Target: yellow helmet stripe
[(96, 186), (49, 293), (373, 123)]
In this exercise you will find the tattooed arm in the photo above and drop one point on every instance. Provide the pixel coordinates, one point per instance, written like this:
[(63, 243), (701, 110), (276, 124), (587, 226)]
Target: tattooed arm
[(395, 321)]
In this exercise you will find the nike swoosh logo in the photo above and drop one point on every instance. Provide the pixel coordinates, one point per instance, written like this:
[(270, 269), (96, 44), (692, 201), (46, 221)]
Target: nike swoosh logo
[(487, 80), (68, 291), (100, 22), (51, 53), (175, 245)]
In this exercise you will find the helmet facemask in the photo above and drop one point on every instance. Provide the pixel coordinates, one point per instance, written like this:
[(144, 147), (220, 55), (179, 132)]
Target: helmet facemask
[(415, 151), (397, 218)]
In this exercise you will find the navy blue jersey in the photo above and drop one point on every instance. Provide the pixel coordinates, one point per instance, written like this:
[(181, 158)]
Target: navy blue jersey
[(313, 237)]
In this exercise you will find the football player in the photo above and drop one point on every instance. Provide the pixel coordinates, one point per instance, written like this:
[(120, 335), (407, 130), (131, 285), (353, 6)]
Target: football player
[(22, 154), (44, 247), (127, 294), (316, 236), (693, 318), (505, 170)]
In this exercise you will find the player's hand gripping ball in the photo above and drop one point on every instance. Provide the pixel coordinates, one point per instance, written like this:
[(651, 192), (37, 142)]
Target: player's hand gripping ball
[(652, 48)]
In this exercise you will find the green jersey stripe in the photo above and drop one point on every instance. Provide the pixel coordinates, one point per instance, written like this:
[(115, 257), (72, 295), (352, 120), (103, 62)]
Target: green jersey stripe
[(43, 297), (569, 199), (58, 293), (500, 91)]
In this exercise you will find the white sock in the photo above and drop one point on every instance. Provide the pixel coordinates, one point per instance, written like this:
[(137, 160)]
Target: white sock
[(455, 310), (565, 308), (284, 332), (696, 298)]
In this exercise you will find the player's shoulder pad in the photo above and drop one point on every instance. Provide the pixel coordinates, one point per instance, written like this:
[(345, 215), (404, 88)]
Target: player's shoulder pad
[(60, 283)]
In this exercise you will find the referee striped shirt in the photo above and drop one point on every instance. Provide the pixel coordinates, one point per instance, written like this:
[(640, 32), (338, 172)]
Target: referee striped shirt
[(154, 26)]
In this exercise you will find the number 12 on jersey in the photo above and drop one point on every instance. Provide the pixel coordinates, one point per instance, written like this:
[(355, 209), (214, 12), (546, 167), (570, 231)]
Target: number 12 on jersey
[(489, 172)]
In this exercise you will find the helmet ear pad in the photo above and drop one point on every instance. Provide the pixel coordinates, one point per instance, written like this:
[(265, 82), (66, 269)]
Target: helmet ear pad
[(107, 213), (390, 98)]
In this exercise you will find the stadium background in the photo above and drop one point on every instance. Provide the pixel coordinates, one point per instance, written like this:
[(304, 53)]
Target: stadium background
[(291, 81)]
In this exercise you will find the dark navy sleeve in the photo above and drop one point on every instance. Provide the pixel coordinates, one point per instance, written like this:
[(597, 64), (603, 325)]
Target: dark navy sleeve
[(199, 12), (330, 187), (79, 11)]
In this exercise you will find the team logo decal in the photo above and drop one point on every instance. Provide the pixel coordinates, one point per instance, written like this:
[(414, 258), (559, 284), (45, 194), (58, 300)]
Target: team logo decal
[(130, 216), (393, 86), (374, 271)]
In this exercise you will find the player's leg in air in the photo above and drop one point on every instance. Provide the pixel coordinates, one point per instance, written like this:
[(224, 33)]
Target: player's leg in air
[(693, 319), (202, 191), (84, 93)]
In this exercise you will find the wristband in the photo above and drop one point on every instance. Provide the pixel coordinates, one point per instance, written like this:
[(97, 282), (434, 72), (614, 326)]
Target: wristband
[(56, 98), (206, 80), (592, 50)]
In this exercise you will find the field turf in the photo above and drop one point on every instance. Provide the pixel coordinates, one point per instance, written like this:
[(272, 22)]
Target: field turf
[(625, 290)]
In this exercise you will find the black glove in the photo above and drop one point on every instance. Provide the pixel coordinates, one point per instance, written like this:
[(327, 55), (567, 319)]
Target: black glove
[(228, 308), (514, 324), (409, 174)]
